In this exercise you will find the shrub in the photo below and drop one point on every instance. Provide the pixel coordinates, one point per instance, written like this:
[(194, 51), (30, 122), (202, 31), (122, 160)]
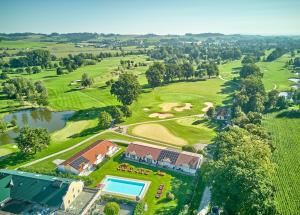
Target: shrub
[(13, 122), (111, 208), (139, 209), (170, 196), (189, 149)]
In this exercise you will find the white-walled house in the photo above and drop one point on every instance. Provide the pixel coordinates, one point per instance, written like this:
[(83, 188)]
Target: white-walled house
[(85, 161)]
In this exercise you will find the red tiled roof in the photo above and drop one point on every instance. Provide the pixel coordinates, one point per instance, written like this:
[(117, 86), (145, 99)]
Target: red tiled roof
[(142, 150), (187, 159), (90, 153)]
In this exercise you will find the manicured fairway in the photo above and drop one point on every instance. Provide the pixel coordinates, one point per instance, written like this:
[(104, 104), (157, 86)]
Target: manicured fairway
[(276, 75), (285, 133), (159, 133)]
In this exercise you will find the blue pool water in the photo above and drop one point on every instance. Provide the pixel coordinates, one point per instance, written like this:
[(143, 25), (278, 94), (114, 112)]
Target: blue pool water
[(123, 186)]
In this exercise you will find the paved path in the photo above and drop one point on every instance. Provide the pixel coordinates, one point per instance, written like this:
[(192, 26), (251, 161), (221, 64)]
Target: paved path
[(204, 204)]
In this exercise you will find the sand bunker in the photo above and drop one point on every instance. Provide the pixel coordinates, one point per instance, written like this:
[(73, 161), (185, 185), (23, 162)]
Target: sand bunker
[(208, 105), (158, 132), (176, 106), (168, 106), (186, 106), (146, 109), (161, 115)]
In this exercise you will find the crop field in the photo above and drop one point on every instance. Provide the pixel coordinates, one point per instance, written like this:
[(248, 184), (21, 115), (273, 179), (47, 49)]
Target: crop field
[(58, 49), (285, 130)]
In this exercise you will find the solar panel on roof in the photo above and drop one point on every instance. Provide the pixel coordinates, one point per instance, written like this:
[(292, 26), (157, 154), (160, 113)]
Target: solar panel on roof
[(165, 154), (78, 162)]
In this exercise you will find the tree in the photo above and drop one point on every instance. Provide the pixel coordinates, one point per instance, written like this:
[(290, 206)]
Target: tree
[(28, 70), (282, 103), (248, 59), (31, 140), (105, 120), (35, 70), (250, 69), (38, 57), (272, 99), (59, 71), (296, 97), (155, 74), (171, 72), (188, 70), (116, 114), (126, 111), (126, 88), (86, 81), (111, 208), (3, 126), (240, 173), (24, 89), (3, 76), (251, 96), (210, 112)]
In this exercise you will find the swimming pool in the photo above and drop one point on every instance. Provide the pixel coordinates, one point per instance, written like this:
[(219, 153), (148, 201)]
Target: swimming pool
[(126, 187)]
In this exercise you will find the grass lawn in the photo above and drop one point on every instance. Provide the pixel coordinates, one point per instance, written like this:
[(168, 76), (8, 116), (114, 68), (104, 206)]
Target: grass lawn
[(285, 132), (276, 74), (7, 149)]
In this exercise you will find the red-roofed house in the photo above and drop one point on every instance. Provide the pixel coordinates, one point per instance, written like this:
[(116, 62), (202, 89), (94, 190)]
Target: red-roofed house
[(84, 162), (164, 157), (188, 162), (143, 152)]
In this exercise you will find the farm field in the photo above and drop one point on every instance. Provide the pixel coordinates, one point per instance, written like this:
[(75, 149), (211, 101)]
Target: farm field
[(58, 49), (285, 130)]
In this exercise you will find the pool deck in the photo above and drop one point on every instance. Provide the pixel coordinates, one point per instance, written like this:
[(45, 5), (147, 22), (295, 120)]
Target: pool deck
[(141, 196)]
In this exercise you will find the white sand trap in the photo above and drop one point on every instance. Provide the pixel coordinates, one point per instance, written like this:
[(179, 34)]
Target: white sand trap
[(158, 132), (146, 109), (186, 106), (161, 115), (208, 105), (168, 106)]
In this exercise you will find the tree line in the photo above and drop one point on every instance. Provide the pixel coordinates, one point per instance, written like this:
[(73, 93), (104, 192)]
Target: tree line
[(162, 73)]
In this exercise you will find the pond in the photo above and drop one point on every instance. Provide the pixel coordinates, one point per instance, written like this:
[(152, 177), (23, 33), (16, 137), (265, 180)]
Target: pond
[(35, 118), (296, 80)]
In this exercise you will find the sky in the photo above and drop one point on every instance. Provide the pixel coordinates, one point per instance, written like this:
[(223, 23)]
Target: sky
[(264, 17)]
